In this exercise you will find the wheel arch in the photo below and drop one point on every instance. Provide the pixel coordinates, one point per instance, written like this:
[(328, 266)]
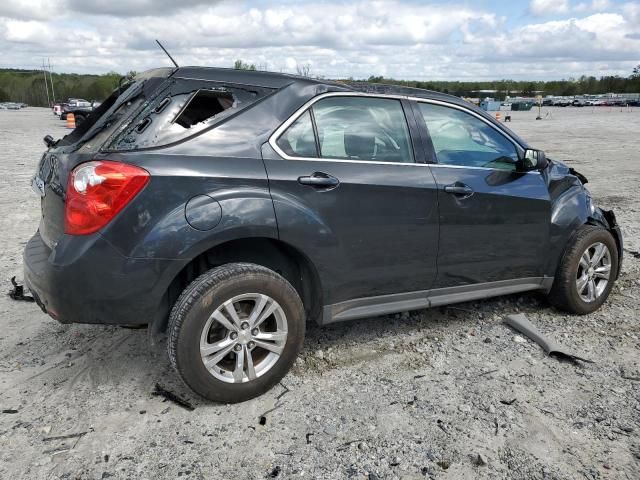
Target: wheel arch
[(274, 254)]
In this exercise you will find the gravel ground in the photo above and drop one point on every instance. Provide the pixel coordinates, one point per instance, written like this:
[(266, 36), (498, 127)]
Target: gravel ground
[(442, 393)]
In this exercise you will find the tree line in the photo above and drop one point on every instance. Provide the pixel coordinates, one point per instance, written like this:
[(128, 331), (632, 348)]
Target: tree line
[(584, 85), (28, 86)]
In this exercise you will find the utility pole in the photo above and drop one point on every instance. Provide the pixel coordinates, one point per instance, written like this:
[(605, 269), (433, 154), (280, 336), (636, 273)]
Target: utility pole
[(46, 84), (53, 95)]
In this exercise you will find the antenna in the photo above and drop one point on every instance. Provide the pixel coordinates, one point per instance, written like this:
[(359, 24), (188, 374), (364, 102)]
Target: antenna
[(165, 51)]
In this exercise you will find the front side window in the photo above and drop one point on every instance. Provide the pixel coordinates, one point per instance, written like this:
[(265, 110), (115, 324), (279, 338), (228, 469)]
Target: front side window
[(462, 139)]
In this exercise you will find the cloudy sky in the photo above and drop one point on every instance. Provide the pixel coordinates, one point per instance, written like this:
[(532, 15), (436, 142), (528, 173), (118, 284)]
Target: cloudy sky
[(456, 40)]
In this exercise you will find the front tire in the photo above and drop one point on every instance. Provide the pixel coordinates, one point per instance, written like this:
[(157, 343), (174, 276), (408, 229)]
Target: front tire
[(586, 272), (235, 332)]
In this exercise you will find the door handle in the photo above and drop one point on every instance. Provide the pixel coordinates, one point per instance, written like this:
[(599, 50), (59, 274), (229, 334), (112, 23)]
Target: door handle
[(319, 180), (459, 189)]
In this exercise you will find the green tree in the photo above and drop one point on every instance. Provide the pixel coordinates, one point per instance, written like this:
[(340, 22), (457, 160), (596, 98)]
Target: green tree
[(529, 90), (240, 65)]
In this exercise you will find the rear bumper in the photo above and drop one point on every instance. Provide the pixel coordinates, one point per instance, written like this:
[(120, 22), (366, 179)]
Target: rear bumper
[(85, 280)]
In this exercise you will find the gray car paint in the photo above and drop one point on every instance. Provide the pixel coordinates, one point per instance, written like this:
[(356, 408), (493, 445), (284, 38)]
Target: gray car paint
[(379, 233)]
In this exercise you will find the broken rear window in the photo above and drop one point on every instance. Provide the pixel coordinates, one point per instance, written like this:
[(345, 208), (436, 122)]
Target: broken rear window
[(187, 108), (202, 106)]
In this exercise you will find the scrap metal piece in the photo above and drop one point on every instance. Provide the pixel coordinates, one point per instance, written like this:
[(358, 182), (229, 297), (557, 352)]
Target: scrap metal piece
[(65, 437), (17, 293), (172, 397), (520, 323)]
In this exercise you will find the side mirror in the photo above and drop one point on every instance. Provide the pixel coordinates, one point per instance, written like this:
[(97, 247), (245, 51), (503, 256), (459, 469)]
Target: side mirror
[(533, 160)]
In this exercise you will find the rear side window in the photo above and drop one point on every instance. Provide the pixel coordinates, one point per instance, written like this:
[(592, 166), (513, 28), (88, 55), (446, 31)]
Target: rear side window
[(204, 105), (351, 128), (184, 109), (299, 140)]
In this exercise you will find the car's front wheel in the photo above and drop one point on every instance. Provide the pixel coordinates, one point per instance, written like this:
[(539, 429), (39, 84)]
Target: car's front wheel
[(235, 332), (587, 271)]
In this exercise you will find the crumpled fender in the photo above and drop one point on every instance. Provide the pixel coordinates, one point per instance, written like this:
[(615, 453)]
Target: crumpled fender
[(571, 207)]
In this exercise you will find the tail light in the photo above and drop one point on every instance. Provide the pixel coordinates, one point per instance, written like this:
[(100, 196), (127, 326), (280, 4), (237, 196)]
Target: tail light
[(97, 191)]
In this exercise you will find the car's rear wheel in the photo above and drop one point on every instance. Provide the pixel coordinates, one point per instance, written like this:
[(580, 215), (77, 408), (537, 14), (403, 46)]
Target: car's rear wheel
[(235, 332), (587, 271)]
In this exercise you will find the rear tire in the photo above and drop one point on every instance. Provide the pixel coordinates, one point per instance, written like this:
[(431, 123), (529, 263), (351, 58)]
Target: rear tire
[(245, 354), (580, 285)]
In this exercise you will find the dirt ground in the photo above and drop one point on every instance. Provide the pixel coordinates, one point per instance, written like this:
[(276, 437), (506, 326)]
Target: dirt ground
[(446, 393)]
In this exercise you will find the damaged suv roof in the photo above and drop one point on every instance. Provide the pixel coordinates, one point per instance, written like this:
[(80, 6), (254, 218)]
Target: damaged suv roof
[(281, 80)]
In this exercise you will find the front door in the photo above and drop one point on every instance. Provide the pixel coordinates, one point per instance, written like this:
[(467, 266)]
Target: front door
[(349, 192), (494, 221)]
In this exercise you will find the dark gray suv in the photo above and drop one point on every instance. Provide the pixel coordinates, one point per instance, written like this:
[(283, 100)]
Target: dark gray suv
[(227, 207)]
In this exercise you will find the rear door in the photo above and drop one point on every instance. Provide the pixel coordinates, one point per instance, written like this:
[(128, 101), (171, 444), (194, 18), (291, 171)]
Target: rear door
[(352, 193), (494, 220)]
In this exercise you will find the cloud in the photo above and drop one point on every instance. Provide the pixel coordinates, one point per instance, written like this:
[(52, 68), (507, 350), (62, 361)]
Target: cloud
[(398, 38), (30, 9), (595, 6), (132, 8), (540, 8)]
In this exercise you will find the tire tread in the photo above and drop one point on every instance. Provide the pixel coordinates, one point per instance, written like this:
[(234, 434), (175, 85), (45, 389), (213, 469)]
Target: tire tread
[(562, 294), (199, 287)]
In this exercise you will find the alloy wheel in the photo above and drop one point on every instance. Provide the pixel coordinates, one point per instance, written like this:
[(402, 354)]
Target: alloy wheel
[(243, 338), (594, 271)]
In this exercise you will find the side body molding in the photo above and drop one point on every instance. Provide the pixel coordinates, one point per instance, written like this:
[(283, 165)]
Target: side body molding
[(385, 304)]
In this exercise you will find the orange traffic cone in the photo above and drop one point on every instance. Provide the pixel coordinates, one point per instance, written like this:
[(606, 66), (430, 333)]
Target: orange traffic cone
[(498, 116), (71, 120)]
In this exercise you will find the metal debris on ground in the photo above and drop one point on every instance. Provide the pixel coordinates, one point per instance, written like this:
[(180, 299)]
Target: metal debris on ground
[(286, 390), (17, 292), (520, 323), (65, 437), (479, 460), (172, 397), (275, 472), (633, 253)]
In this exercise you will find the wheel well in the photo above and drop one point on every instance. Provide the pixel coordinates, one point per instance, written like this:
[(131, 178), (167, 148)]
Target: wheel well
[(273, 254)]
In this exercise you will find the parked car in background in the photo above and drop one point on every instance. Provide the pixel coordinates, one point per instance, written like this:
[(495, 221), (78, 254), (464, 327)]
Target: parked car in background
[(56, 109), (79, 107), (12, 105), (227, 207)]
